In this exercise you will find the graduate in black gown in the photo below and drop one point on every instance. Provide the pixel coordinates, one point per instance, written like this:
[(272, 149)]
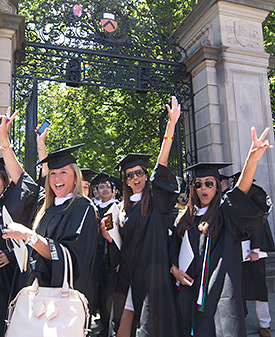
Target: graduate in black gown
[(208, 248), (66, 217), (7, 259), (144, 300), (254, 276), (87, 175), (106, 274)]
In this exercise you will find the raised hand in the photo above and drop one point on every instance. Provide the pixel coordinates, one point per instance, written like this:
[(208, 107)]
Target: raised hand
[(6, 121), (259, 145), (257, 149), (174, 111)]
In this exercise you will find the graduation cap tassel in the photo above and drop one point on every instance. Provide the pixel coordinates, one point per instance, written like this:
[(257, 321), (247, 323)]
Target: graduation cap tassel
[(205, 276)]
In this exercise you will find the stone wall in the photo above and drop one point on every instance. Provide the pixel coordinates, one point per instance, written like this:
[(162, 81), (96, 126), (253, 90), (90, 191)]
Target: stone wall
[(226, 56), (11, 37)]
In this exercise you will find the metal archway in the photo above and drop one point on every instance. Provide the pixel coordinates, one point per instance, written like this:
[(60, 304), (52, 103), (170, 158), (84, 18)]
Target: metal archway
[(100, 43)]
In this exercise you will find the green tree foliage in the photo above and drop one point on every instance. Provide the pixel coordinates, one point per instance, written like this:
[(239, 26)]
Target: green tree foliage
[(269, 36), (170, 12), (110, 122)]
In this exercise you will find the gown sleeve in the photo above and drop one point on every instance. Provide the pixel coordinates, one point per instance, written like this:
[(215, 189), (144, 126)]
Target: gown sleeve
[(23, 199), (247, 213), (263, 239), (77, 231), (174, 248), (164, 188), (113, 255)]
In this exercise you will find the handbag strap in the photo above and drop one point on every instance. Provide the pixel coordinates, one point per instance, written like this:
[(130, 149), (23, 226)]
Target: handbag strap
[(65, 285), (68, 258)]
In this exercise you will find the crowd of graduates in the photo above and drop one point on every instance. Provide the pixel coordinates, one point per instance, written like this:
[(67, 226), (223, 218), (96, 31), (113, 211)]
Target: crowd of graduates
[(178, 270)]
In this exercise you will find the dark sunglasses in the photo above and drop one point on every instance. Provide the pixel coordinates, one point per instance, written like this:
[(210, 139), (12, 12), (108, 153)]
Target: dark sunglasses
[(138, 173), (207, 183)]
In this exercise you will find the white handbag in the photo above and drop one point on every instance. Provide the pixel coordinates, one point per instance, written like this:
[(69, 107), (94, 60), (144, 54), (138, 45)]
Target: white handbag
[(49, 312)]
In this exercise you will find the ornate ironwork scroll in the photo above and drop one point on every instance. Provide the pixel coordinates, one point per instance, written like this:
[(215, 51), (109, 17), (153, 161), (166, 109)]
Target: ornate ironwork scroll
[(104, 43)]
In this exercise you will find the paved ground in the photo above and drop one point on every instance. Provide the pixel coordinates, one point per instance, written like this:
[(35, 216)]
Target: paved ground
[(251, 319)]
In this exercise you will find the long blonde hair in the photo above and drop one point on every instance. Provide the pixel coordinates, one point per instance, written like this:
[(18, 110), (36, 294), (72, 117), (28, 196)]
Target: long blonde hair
[(50, 196)]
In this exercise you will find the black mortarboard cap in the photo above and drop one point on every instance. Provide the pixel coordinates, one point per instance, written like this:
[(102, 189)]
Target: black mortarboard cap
[(101, 177), (61, 157), (235, 177), (117, 182), (132, 160), (202, 170), (87, 174), (224, 177)]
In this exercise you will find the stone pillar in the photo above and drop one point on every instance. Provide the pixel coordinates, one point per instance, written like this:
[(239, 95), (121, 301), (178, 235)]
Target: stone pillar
[(11, 37), (226, 56)]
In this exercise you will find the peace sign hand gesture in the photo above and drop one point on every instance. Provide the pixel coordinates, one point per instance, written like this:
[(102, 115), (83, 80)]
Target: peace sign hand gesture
[(259, 145)]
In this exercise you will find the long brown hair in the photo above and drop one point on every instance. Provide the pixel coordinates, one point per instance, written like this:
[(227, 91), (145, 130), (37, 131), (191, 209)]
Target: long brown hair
[(209, 220), (145, 199), (4, 177)]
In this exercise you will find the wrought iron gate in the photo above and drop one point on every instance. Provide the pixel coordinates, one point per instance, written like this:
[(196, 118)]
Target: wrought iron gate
[(100, 43)]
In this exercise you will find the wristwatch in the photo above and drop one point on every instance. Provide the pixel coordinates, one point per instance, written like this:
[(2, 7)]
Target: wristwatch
[(31, 240)]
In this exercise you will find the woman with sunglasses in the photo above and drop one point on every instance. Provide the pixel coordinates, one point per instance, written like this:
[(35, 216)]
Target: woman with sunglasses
[(206, 252), (143, 301)]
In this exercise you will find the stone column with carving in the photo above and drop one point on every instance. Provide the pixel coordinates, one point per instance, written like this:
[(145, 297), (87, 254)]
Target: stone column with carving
[(11, 38), (226, 56)]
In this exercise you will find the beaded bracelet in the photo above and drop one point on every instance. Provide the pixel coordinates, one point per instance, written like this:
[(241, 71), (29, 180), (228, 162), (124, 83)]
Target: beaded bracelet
[(168, 138), (3, 148)]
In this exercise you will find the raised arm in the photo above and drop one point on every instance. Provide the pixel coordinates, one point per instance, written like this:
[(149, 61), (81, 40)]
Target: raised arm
[(257, 149), (174, 113), (42, 151), (12, 164)]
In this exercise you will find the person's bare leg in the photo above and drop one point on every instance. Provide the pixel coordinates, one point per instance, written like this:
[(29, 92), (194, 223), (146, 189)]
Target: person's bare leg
[(125, 323)]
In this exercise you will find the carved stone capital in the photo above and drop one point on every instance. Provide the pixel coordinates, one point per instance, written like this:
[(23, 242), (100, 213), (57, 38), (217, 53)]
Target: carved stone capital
[(204, 38), (243, 33), (7, 7), (13, 23), (204, 53)]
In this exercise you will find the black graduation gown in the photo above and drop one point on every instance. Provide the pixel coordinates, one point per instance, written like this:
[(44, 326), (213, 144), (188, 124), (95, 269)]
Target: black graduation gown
[(105, 275), (74, 226), (254, 276), (19, 200), (6, 277), (223, 314), (144, 263)]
